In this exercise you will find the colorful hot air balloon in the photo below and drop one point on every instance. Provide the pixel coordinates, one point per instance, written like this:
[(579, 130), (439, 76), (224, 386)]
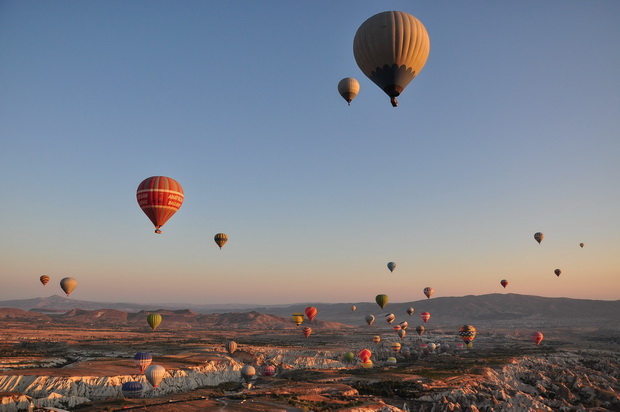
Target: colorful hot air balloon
[(376, 339), (311, 312), (348, 89), (404, 324), (353, 308), (419, 329), (268, 370), (155, 374), (391, 266), (581, 245), (370, 319), (248, 372), (382, 300), (391, 360), (389, 318), (364, 355), (132, 389), (539, 236), (231, 347), (142, 360), (367, 364), (307, 331), (397, 328), (425, 316), (410, 311), (220, 239), (391, 48), (68, 284), (402, 333), (428, 291), (537, 337), (557, 272), (504, 283), (159, 198), (154, 320), (44, 279), (349, 357), (395, 346), (467, 334), (298, 318)]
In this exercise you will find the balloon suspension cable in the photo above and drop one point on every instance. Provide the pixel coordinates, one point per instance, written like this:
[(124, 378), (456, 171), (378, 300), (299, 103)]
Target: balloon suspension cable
[(394, 102)]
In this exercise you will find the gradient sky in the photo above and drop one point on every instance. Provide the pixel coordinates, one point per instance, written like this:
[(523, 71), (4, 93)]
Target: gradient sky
[(512, 127)]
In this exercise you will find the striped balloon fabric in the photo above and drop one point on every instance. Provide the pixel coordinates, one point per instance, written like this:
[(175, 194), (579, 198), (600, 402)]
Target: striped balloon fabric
[(132, 389), (159, 197), (142, 360)]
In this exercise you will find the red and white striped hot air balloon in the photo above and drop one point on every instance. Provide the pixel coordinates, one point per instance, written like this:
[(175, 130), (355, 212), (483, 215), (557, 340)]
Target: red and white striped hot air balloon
[(159, 197), (425, 316)]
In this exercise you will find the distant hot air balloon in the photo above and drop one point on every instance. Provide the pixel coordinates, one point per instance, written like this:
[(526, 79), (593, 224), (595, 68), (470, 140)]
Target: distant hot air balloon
[(311, 312), (307, 331), (397, 328), (557, 272), (154, 320), (353, 308), (248, 372), (419, 329), (364, 355), (402, 333), (376, 339), (298, 318), (410, 311), (504, 283), (159, 197), (231, 347), (370, 319), (155, 374), (431, 347), (391, 360), (391, 266), (389, 318), (68, 284), (132, 389), (391, 48), (404, 324), (539, 236), (537, 337), (425, 316), (44, 279), (268, 370), (348, 89), (367, 364), (395, 346), (581, 245), (142, 360), (220, 239), (349, 357), (382, 300), (428, 291), (467, 334)]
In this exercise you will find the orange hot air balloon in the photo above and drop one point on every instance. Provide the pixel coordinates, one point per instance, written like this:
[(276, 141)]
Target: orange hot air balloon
[(425, 316), (537, 337), (44, 279), (364, 355), (376, 339), (504, 283), (397, 328), (220, 239), (311, 312), (159, 198), (395, 346), (307, 331)]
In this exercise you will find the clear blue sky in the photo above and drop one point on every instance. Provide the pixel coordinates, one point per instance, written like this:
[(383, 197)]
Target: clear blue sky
[(511, 128)]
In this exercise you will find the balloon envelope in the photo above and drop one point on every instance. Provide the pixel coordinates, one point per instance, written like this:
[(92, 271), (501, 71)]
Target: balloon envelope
[(376, 339), (268, 370), (353, 308), (155, 374), (428, 291), (581, 245), (44, 279), (364, 355), (132, 389), (220, 239), (537, 337), (402, 333), (231, 347), (348, 89), (307, 331), (420, 330), (369, 319), (425, 316), (311, 312), (297, 318), (504, 283), (410, 311), (539, 236), (154, 320), (467, 333), (247, 372), (391, 48), (391, 266), (68, 284), (142, 360), (349, 356), (390, 318), (159, 197), (395, 346), (382, 300), (557, 272)]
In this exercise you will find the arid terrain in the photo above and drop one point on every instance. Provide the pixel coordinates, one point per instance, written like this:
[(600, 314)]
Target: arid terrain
[(79, 359)]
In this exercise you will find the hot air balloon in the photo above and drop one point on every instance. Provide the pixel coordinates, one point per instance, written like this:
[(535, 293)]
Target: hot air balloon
[(539, 236), (367, 364), (307, 331), (381, 300), (248, 372), (348, 89), (155, 374), (364, 355), (395, 346), (154, 320), (404, 324), (431, 347), (132, 389), (420, 330), (142, 360), (444, 348), (68, 284), (298, 318), (537, 337), (428, 291), (391, 266), (391, 48), (402, 333), (353, 308), (370, 319), (44, 279), (391, 360), (389, 318), (159, 197), (231, 347), (397, 328), (581, 245), (410, 311), (311, 312), (425, 316), (557, 272), (221, 239), (504, 283), (349, 357), (376, 339), (268, 370), (467, 334)]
